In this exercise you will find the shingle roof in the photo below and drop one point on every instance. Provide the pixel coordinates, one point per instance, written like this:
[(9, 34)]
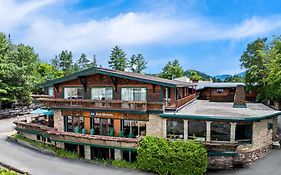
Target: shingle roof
[(120, 74)]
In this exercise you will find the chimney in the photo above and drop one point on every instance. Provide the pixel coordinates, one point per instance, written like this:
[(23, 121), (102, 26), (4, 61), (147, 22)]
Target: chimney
[(240, 97)]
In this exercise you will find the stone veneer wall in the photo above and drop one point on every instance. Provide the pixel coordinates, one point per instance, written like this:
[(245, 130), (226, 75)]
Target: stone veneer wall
[(154, 127), (58, 120), (220, 162), (261, 143)]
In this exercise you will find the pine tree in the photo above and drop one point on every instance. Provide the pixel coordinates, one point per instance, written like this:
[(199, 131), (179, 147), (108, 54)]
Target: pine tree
[(137, 63), (117, 60), (66, 61), (93, 63), (83, 62), (55, 62)]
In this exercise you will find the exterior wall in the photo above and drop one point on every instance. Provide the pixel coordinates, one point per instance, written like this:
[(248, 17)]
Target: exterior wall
[(212, 95), (220, 162), (154, 126), (261, 143), (58, 120)]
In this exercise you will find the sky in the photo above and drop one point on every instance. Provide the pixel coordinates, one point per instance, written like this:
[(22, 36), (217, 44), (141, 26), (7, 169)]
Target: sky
[(205, 35)]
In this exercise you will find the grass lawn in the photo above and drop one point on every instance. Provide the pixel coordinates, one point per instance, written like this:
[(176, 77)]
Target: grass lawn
[(6, 172)]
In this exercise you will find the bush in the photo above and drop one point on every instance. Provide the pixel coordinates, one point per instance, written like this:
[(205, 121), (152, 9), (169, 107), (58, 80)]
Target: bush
[(6, 172), (172, 157)]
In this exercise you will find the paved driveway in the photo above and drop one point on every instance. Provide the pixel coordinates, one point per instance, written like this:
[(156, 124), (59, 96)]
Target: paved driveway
[(41, 164)]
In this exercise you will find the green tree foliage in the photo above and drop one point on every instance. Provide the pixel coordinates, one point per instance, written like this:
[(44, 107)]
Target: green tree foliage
[(235, 79), (93, 63), (272, 88), (172, 157), (195, 76), (55, 62), (137, 63), (66, 61), (117, 60), (253, 60), (83, 62), (172, 70)]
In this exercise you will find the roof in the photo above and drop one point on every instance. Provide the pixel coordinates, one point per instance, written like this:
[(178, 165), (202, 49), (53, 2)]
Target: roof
[(120, 74), (216, 85), (206, 110)]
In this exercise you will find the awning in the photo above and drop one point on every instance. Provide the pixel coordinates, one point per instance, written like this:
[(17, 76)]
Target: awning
[(43, 112)]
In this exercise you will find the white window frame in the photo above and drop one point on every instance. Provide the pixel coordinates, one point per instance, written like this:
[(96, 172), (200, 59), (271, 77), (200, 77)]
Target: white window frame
[(101, 93), (75, 94), (133, 94)]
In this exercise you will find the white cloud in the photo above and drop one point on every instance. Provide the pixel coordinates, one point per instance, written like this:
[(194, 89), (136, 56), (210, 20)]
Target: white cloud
[(49, 35)]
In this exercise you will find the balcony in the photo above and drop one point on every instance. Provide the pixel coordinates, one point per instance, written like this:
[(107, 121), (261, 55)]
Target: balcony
[(185, 100), (101, 104), (69, 137)]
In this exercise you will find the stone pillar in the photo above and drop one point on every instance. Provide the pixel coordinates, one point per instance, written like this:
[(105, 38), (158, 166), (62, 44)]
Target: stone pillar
[(185, 126), (87, 151), (165, 128), (59, 145), (208, 131), (58, 120), (117, 154), (232, 131)]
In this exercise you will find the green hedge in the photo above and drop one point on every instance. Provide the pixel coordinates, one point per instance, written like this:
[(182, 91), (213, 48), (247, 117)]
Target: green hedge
[(172, 157), (6, 172)]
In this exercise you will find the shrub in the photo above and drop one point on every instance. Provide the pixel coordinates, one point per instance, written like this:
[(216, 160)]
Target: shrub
[(172, 157)]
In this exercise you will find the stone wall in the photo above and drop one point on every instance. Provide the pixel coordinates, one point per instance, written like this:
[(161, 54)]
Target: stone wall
[(154, 127), (220, 162), (29, 136), (261, 143), (58, 120)]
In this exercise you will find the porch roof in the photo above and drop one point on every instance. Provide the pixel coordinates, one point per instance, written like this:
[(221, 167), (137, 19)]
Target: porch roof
[(206, 110)]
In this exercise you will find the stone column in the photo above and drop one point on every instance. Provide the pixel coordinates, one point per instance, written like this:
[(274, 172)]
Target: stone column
[(208, 131), (58, 120), (117, 154), (165, 128), (87, 150), (185, 126), (232, 131)]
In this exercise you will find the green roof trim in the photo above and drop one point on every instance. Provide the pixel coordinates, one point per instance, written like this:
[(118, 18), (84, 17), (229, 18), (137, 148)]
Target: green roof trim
[(227, 154), (201, 117), (126, 75), (100, 110)]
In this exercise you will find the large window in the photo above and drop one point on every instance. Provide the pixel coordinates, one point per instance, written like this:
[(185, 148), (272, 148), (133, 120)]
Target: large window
[(133, 128), (197, 129), (243, 133), (73, 93), (73, 122), (133, 94), (220, 131), (175, 128), (102, 126), (102, 93)]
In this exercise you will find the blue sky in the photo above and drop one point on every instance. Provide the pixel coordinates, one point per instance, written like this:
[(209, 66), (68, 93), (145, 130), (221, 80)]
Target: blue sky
[(206, 35)]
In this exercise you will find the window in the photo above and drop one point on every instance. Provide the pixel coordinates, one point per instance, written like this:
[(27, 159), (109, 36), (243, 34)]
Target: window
[(220, 91), (175, 128), (102, 126), (243, 133), (74, 122), (197, 129), (73, 93), (51, 91), (220, 131), (136, 128), (102, 93), (133, 94)]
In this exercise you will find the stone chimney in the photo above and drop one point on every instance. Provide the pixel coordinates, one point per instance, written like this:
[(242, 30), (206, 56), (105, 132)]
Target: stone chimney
[(240, 97)]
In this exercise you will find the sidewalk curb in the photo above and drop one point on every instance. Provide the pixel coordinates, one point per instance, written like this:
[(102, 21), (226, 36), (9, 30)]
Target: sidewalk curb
[(9, 167)]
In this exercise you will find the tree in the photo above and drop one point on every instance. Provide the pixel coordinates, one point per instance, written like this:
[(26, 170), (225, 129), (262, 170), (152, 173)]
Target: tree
[(253, 60), (137, 63), (172, 70), (66, 61), (55, 62), (117, 60), (195, 76), (93, 63), (83, 62), (272, 88)]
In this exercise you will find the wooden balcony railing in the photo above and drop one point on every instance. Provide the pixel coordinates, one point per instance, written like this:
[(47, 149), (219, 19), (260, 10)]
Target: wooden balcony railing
[(102, 104), (185, 100), (54, 135)]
